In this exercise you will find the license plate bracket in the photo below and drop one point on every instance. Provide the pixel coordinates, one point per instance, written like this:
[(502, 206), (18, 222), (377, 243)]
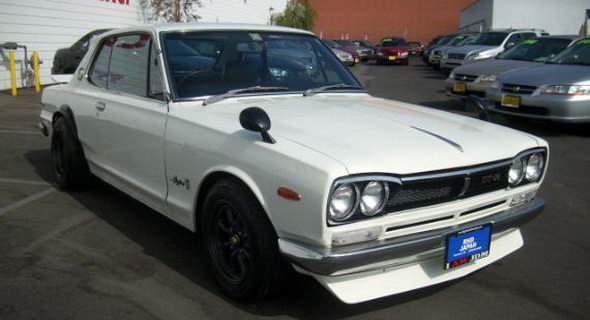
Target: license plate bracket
[(467, 245), (459, 87), (510, 101)]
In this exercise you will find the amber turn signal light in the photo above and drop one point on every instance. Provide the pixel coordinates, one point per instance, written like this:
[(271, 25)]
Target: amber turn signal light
[(288, 194)]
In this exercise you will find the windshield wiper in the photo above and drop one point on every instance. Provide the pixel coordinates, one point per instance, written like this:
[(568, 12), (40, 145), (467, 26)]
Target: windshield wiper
[(233, 93), (311, 92)]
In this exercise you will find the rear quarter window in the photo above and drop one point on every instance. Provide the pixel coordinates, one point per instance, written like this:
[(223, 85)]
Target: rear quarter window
[(100, 69)]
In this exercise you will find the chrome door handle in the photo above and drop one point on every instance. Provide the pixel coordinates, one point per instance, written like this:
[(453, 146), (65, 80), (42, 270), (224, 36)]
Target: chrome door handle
[(100, 106)]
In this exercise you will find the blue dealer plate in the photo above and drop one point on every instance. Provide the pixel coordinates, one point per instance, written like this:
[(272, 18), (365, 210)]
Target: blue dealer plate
[(468, 245)]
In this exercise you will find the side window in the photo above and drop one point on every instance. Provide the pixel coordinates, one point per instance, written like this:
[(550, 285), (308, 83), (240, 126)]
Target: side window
[(128, 70), (515, 38), (155, 89), (100, 69), (528, 35)]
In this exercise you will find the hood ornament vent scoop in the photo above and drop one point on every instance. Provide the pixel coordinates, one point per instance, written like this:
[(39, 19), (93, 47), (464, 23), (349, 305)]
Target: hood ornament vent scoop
[(452, 143)]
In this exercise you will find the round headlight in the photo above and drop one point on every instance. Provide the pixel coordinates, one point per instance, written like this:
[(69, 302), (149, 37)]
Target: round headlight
[(516, 172), (373, 197), (534, 167), (342, 202)]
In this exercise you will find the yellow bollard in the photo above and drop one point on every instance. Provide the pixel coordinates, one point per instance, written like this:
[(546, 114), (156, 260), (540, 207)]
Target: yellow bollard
[(12, 73), (36, 69)]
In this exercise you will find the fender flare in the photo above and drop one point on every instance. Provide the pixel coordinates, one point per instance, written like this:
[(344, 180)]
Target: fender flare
[(66, 112)]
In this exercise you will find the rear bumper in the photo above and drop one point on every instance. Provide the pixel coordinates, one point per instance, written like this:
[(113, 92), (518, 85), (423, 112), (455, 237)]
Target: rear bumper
[(329, 261)]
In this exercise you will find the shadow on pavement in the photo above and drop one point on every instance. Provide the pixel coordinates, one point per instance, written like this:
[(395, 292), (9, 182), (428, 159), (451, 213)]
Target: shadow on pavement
[(178, 249)]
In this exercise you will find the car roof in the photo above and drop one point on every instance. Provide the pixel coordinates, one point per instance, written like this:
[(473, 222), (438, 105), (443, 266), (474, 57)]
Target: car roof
[(158, 28), (562, 36)]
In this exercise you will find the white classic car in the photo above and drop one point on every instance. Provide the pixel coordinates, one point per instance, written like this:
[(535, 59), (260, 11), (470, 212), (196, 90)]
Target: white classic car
[(369, 196)]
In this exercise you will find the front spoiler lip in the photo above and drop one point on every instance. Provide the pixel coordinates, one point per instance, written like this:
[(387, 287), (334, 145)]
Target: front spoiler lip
[(327, 261)]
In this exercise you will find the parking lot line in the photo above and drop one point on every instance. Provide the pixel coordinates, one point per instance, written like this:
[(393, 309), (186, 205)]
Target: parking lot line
[(19, 181), (26, 200), (18, 132)]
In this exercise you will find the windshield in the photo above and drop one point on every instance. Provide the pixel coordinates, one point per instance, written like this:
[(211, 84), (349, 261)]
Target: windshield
[(393, 42), (346, 43), (456, 40), (490, 38), (366, 43), (467, 40), (445, 40), (332, 44), (538, 49), (576, 54), (211, 63), (413, 44)]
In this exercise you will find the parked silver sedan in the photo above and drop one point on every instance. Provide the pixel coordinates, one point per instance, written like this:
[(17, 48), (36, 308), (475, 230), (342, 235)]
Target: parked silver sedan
[(558, 90), (476, 78)]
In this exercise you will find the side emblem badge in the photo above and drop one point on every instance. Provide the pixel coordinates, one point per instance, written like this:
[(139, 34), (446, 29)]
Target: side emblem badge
[(180, 182)]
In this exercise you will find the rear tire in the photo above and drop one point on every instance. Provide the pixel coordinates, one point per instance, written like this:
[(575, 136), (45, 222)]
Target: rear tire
[(241, 243), (67, 158)]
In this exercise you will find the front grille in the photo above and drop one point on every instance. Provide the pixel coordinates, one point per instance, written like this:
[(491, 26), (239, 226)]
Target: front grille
[(415, 191), (465, 77), (519, 89), (456, 56)]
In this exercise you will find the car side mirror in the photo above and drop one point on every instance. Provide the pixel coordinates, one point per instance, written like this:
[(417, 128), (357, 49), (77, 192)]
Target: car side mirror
[(257, 120), (509, 45), (479, 104)]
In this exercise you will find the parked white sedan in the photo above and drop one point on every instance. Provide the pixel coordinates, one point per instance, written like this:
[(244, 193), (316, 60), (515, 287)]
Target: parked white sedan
[(371, 197)]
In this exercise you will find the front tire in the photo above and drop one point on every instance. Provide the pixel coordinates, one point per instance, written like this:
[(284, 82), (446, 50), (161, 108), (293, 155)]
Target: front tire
[(241, 243), (67, 158)]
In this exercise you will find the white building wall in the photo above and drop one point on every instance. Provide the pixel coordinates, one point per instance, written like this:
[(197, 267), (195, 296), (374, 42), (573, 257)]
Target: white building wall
[(48, 25), (478, 16), (554, 16)]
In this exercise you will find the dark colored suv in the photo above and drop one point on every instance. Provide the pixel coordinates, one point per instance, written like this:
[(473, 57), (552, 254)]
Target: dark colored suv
[(66, 60)]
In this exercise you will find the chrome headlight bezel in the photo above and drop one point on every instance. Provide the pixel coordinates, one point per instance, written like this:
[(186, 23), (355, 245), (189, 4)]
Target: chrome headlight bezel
[(525, 158), (382, 200), (354, 202), (360, 183)]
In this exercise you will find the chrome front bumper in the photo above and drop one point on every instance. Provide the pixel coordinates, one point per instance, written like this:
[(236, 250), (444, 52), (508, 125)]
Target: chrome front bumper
[(327, 261)]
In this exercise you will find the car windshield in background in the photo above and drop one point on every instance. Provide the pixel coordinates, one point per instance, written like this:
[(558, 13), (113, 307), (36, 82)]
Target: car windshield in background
[(332, 44), (346, 43), (490, 38), (413, 44), (393, 42), (456, 40), (467, 40), (445, 40), (578, 54), (211, 63), (366, 43), (536, 49)]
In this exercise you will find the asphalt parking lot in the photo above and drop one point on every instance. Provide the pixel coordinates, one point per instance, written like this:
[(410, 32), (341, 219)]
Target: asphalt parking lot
[(99, 254)]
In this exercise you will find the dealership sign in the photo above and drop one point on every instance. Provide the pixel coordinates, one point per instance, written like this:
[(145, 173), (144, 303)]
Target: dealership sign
[(125, 2)]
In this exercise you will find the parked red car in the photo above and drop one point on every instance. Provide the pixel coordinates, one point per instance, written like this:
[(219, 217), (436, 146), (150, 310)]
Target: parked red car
[(393, 50), (335, 45)]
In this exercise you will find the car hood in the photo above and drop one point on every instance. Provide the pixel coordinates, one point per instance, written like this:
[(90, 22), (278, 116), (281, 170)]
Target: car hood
[(368, 134), (470, 48), (338, 51), (548, 74), (493, 66)]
